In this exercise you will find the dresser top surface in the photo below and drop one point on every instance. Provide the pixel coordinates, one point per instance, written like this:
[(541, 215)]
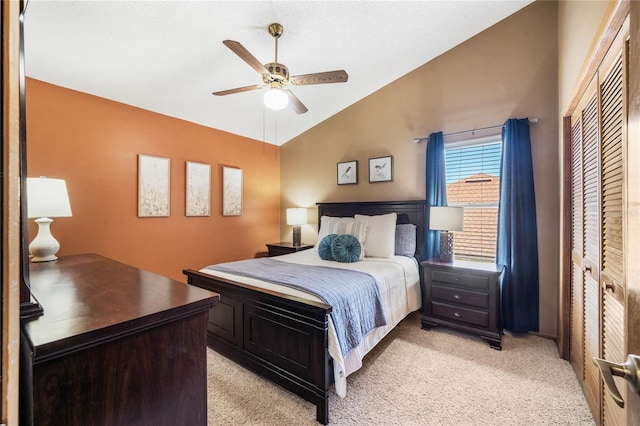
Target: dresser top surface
[(89, 296)]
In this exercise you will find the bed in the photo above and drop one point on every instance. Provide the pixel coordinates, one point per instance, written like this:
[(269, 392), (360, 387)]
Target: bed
[(288, 336)]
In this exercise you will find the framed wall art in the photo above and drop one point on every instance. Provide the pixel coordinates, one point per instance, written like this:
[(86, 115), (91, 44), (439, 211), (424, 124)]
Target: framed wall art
[(348, 172), (198, 189), (381, 169), (153, 186), (231, 191)]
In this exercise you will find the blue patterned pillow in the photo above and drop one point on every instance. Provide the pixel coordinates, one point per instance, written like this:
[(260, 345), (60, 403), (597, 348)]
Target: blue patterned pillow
[(346, 248), (324, 248)]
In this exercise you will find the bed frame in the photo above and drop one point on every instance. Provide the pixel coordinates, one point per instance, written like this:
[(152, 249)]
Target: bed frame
[(281, 337)]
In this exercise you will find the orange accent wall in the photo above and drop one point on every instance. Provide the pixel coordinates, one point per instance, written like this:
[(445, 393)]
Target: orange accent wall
[(93, 143)]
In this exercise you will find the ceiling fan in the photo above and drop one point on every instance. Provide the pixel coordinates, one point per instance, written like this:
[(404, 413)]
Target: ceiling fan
[(276, 76)]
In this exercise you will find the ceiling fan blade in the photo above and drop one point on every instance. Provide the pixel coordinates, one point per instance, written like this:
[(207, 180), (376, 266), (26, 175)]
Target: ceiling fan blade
[(244, 54), (238, 90), (295, 103), (339, 76)]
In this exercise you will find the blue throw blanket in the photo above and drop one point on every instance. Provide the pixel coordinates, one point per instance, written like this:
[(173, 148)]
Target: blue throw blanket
[(354, 296)]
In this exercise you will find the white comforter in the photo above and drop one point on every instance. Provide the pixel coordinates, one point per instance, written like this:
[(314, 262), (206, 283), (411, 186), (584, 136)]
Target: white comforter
[(399, 283)]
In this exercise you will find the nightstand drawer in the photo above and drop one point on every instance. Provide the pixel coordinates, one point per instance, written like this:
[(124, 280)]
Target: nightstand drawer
[(460, 314), (459, 279), (459, 296)]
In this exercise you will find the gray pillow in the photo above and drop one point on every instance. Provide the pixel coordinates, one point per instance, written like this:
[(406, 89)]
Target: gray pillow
[(405, 240)]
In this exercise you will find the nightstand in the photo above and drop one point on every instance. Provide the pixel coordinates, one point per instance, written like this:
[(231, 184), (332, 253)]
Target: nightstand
[(283, 247), (463, 295)]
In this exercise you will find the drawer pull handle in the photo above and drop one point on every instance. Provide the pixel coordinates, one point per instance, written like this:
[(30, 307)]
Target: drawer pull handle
[(457, 315), (457, 297)]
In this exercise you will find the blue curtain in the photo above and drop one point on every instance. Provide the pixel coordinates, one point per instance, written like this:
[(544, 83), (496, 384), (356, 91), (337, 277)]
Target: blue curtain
[(517, 246), (436, 191)]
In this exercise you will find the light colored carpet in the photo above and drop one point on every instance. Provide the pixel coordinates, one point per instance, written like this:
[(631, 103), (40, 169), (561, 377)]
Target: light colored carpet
[(418, 377)]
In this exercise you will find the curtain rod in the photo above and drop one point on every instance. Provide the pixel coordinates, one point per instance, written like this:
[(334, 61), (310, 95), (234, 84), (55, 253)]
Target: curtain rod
[(426, 138)]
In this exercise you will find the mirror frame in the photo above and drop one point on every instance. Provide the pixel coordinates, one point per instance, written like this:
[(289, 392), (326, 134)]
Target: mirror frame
[(29, 306)]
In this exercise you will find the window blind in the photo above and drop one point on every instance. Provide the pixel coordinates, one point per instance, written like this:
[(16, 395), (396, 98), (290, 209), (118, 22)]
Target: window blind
[(473, 182)]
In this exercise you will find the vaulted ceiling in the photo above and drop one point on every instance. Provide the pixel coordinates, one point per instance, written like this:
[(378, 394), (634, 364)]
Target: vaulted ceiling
[(168, 56)]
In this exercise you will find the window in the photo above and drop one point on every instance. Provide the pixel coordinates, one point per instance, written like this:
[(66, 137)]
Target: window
[(473, 182)]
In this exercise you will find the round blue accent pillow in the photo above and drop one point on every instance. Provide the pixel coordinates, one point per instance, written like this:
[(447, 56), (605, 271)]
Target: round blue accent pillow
[(346, 248), (324, 248)]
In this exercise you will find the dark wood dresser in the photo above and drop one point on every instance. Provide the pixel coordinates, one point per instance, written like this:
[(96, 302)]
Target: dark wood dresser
[(116, 346), (463, 295)]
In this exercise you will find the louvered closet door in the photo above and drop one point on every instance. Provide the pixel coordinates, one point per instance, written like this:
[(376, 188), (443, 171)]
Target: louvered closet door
[(598, 264), (612, 281), (577, 280), (591, 252)]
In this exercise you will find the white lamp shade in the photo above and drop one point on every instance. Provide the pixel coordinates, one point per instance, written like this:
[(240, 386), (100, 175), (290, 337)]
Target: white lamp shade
[(297, 216), (276, 99), (47, 198), (446, 218)]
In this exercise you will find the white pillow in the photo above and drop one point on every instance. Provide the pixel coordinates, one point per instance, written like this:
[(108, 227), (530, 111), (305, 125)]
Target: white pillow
[(381, 234), (343, 225), (325, 224)]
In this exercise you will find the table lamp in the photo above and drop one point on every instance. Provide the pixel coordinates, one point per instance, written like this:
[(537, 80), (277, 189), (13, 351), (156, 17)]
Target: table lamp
[(46, 198), (446, 219), (296, 217)]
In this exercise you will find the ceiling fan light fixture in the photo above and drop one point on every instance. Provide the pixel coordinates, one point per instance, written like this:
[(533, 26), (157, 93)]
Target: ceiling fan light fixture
[(276, 99)]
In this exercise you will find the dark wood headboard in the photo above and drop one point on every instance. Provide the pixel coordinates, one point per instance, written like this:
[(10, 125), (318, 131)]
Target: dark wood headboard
[(408, 212)]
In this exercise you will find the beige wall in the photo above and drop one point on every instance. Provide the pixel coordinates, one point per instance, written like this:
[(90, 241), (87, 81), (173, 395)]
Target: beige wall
[(508, 71), (579, 24)]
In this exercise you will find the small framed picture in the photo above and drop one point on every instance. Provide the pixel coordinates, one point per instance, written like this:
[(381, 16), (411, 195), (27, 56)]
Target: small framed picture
[(153, 186), (198, 189), (348, 172), (381, 169), (231, 191)]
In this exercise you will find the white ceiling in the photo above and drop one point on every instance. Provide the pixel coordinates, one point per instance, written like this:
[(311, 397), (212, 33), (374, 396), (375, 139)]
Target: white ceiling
[(168, 56)]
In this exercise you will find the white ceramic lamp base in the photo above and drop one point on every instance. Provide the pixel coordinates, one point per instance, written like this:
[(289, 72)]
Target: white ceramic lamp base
[(44, 247)]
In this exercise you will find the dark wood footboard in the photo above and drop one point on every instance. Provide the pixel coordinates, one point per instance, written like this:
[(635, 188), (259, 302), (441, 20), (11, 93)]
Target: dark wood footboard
[(280, 337)]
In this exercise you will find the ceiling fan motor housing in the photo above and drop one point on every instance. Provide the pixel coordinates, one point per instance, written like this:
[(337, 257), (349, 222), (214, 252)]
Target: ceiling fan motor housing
[(278, 72)]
